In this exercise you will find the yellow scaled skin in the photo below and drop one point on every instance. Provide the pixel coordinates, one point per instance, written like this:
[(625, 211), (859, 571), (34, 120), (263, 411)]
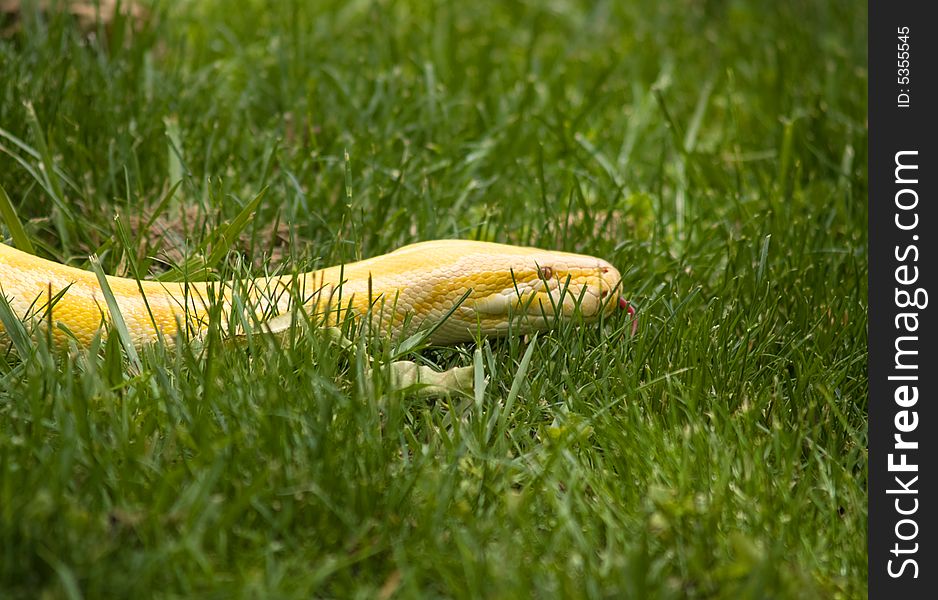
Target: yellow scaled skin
[(412, 287)]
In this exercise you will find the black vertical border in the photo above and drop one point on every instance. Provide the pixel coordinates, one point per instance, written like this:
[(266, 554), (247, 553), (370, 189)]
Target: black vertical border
[(893, 129)]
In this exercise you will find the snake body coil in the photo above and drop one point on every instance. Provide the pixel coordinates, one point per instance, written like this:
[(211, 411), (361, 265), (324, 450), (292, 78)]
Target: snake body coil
[(415, 286)]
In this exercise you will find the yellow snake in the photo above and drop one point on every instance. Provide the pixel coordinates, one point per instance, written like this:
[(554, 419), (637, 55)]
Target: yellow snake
[(491, 286)]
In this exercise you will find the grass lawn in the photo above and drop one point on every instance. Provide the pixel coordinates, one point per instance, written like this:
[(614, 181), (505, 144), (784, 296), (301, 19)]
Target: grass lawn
[(714, 151)]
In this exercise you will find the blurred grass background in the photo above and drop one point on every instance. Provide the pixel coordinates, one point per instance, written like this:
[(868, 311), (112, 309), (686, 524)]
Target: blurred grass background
[(714, 151)]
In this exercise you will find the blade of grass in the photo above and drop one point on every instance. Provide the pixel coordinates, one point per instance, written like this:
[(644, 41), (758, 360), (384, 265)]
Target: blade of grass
[(414, 341), (162, 204), (502, 419), (135, 270), (14, 328), (117, 319), (479, 380), (50, 180), (8, 213), (173, 149)]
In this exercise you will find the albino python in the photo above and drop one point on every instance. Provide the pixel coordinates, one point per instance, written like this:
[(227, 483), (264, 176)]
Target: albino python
[(413, 287)]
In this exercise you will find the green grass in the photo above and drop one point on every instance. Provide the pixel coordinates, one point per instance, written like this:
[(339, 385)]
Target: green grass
[(714, 151)]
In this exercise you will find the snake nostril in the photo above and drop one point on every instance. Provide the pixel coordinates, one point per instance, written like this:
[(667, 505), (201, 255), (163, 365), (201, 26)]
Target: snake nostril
[(604, 294)]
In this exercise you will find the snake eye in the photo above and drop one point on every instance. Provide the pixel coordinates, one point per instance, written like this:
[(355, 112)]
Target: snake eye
[(545, 273)]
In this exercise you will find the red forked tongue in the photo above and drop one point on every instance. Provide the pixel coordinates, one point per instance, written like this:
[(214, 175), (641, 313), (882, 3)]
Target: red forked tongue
[(625, 305)]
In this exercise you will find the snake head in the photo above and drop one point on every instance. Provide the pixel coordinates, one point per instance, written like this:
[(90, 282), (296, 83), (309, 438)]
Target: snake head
[(464, 288), (565, 285), (524, 290)]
